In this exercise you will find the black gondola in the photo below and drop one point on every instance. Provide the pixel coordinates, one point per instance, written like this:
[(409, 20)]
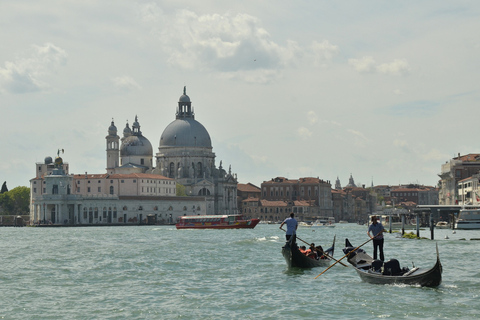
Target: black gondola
[(297, 259), (378, 272)]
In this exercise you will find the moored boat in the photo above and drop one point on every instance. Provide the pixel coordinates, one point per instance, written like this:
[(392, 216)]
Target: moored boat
[(378, 272), (468, 219), (295, 258), (442, 225), (233, 221)]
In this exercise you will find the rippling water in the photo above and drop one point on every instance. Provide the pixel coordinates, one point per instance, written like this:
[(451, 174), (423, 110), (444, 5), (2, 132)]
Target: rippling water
[(153, 272)]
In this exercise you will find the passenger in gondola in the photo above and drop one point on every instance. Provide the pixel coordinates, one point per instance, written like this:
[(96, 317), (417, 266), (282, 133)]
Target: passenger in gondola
[(320, 252), (377, 230), (303, 250), (312, 252)]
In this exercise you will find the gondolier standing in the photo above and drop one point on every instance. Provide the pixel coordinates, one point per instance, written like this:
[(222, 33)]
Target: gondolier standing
[(292, 226), (377, 230)]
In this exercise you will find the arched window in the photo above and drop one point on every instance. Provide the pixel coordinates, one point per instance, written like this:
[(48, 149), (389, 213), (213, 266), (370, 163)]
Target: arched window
[(171, 171), (204, 192), (111, 189), (199, 170)]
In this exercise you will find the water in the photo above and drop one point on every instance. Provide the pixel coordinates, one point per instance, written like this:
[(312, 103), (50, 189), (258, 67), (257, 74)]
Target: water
[(153, 272)]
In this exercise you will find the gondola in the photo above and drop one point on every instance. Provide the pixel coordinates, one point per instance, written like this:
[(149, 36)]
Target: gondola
[(378, 272), (296, 259)]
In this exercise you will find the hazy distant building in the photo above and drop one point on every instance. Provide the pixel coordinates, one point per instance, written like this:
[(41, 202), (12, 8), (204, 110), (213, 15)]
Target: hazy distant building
[(132, 187), (453, 172)]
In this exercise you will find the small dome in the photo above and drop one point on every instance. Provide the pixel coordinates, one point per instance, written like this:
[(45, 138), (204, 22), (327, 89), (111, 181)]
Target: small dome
[(48, 160), (185, 132), (184, 98), (136, 145), (58, 161), (112, 130), (127, 131)]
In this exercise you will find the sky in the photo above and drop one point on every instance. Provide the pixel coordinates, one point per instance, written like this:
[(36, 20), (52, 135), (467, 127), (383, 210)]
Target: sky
[(385, 91)]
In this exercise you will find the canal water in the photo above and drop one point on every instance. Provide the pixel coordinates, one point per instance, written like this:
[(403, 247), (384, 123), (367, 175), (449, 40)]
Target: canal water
[(158, 272)]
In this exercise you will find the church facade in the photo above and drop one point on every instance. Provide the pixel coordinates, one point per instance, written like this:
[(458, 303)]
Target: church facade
[(138, 186)]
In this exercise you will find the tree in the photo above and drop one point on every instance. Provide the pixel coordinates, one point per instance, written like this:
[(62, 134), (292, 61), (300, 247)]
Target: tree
[(4, 187), (181, 190), (16, 201)]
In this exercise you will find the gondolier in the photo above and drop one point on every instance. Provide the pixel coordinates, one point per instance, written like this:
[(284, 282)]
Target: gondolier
[(377, 235), (292, 226)]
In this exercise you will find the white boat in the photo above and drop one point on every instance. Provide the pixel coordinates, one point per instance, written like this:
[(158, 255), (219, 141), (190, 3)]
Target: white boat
[(320, 223), (304, 224), (468, 219), (442, 225)]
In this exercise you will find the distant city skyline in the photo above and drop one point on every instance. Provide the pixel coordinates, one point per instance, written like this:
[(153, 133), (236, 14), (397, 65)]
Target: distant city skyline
[(382, 91)]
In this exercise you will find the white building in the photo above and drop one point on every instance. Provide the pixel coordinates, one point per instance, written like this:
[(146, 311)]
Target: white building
[(132, 189)]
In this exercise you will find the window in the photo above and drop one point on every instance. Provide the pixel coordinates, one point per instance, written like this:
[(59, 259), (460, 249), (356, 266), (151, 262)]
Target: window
[(111, 189), (99, 189), (122, 181)]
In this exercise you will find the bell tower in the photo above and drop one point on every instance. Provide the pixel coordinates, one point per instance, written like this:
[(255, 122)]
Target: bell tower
[(113, 151)]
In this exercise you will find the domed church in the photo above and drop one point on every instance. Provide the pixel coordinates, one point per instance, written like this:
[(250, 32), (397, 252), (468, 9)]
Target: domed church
[(184, 154)]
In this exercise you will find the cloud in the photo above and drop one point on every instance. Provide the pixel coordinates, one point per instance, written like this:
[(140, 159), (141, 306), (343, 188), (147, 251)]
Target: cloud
[(228, 43), (398, 67), (312, 117), (359, 138), (125, 83), (367, 64), (25, 74), (363, 65), (304, 133), (323, 52)]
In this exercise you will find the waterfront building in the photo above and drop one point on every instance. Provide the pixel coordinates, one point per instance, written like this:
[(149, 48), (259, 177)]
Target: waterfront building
[(469, 191), (132, 189), (315, 194), (453, 171)]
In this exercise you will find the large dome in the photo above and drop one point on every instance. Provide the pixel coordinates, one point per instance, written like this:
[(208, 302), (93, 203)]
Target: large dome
[(136, 145), (186, 132)]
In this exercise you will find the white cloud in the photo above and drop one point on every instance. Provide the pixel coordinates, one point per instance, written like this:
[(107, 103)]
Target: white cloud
[(323, 52), (359, 137), (26, 74), (312, 117), (222, 43), (363, 65), (304, 133), (398, 67), (400, 143), (125, 82), (367, 64)]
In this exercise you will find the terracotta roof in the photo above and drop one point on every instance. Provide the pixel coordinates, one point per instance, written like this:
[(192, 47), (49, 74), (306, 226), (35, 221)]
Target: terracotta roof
[(469, 157), (248, 187), (268, 203), (250, 200)]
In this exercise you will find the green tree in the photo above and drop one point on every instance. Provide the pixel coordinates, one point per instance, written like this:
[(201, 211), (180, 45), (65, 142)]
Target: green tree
[(181, 190), (15, 201)]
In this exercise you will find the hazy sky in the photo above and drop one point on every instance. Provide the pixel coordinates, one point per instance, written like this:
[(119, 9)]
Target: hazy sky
[(382, 90)]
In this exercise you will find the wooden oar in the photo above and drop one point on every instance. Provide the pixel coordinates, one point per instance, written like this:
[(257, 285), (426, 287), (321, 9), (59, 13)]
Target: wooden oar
[(326, 254), (346, 255)]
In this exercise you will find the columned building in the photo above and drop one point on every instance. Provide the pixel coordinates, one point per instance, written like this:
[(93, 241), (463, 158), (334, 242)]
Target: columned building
[(132, 188)]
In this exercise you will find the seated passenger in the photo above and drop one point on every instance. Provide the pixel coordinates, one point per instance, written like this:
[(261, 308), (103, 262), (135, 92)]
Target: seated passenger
[(320, 252), (312, 252), (303, 250)]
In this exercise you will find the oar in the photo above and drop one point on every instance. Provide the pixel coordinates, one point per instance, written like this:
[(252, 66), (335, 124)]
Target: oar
[(326, 254), (346, 255)]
